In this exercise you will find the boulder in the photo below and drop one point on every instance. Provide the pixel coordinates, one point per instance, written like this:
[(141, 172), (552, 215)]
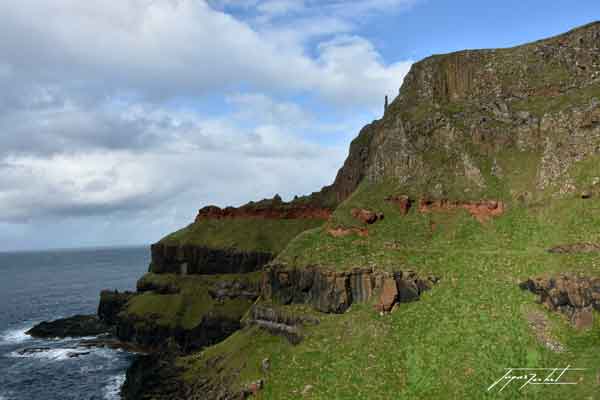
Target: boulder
[(366, 216), (388, 296)]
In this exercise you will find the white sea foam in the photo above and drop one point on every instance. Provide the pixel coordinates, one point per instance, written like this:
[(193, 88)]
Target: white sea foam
[(112, 391), (52, 354), (14, 336)]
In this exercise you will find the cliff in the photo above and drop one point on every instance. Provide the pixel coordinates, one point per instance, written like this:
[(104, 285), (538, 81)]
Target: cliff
[(502, 123), (401, 279)]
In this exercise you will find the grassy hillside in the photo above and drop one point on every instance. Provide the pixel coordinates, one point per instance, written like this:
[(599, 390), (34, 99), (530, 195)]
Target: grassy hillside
[(189, 303), (243, 234), (455, 341)]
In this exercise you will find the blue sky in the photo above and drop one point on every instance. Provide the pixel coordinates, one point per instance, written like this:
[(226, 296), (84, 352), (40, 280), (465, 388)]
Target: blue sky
[(119, 119)]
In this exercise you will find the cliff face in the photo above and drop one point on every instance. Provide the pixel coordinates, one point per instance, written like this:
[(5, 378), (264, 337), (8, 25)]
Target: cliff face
[(189, 259), (446, 183), (460, 117)]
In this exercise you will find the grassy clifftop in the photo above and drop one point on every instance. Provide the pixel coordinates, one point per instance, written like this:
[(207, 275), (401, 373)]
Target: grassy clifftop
[(242, 234), (459, 337), (516, 129)]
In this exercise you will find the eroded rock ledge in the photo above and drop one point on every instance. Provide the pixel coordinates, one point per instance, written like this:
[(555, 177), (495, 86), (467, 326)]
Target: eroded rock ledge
[(573, 296), (481, 210), (333, 291), (279, 322), (190, 259), (268, 211), (575, 248)]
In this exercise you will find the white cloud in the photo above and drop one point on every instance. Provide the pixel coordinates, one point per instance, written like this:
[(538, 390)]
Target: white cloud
[(104, 116), (207, 160), (171, 48)]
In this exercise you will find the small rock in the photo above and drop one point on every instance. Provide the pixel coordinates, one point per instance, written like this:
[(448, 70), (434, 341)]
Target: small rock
[(388, 296), (78, 354), (266, 364), (256, 386), (306, 389)]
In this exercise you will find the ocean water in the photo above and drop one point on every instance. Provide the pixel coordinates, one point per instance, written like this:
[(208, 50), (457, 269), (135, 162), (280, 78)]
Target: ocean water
[(38, 286)]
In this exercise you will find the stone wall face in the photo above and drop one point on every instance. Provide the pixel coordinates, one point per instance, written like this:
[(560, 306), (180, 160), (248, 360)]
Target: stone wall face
[(190, 259), (334, 292)]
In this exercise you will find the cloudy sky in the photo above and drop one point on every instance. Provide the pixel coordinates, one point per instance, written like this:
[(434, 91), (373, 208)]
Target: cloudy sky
[(120, 118)]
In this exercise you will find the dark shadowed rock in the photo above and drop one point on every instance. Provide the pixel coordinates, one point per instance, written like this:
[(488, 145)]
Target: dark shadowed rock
[(189, 259), (334, 291), (111, 304), (388, 296), (76, 326), (574, 296)]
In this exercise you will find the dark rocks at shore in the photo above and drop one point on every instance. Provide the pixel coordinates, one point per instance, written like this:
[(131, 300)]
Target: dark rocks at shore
[(189, 259), (76, 326), (153, 376)]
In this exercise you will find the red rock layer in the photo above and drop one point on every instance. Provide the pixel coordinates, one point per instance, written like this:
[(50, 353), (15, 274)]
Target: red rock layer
[(283, 212), (481, 210)]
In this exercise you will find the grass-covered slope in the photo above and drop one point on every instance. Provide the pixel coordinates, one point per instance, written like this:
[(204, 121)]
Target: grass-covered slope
[(458, 338), (520, 126), (242, 234), (187, 301)]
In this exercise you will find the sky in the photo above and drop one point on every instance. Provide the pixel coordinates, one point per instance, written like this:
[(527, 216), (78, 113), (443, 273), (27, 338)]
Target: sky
[(119, 119)]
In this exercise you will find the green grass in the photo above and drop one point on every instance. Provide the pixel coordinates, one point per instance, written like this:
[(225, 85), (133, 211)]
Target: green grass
[(187, 308), (243, 234), (455, 341)]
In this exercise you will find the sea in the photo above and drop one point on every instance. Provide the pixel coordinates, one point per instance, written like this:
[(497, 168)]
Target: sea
[(45, 285)]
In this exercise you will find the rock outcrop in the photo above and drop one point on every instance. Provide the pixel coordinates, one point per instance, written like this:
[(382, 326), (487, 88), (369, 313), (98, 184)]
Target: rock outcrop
[(457, 114), (575, 248), (252, 210), (343, 232), (235, 289), (480, 210), (334, 291), (279, 322), (366, 216), (403, 202), (190, 259), (573, 296), (75, 326)]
